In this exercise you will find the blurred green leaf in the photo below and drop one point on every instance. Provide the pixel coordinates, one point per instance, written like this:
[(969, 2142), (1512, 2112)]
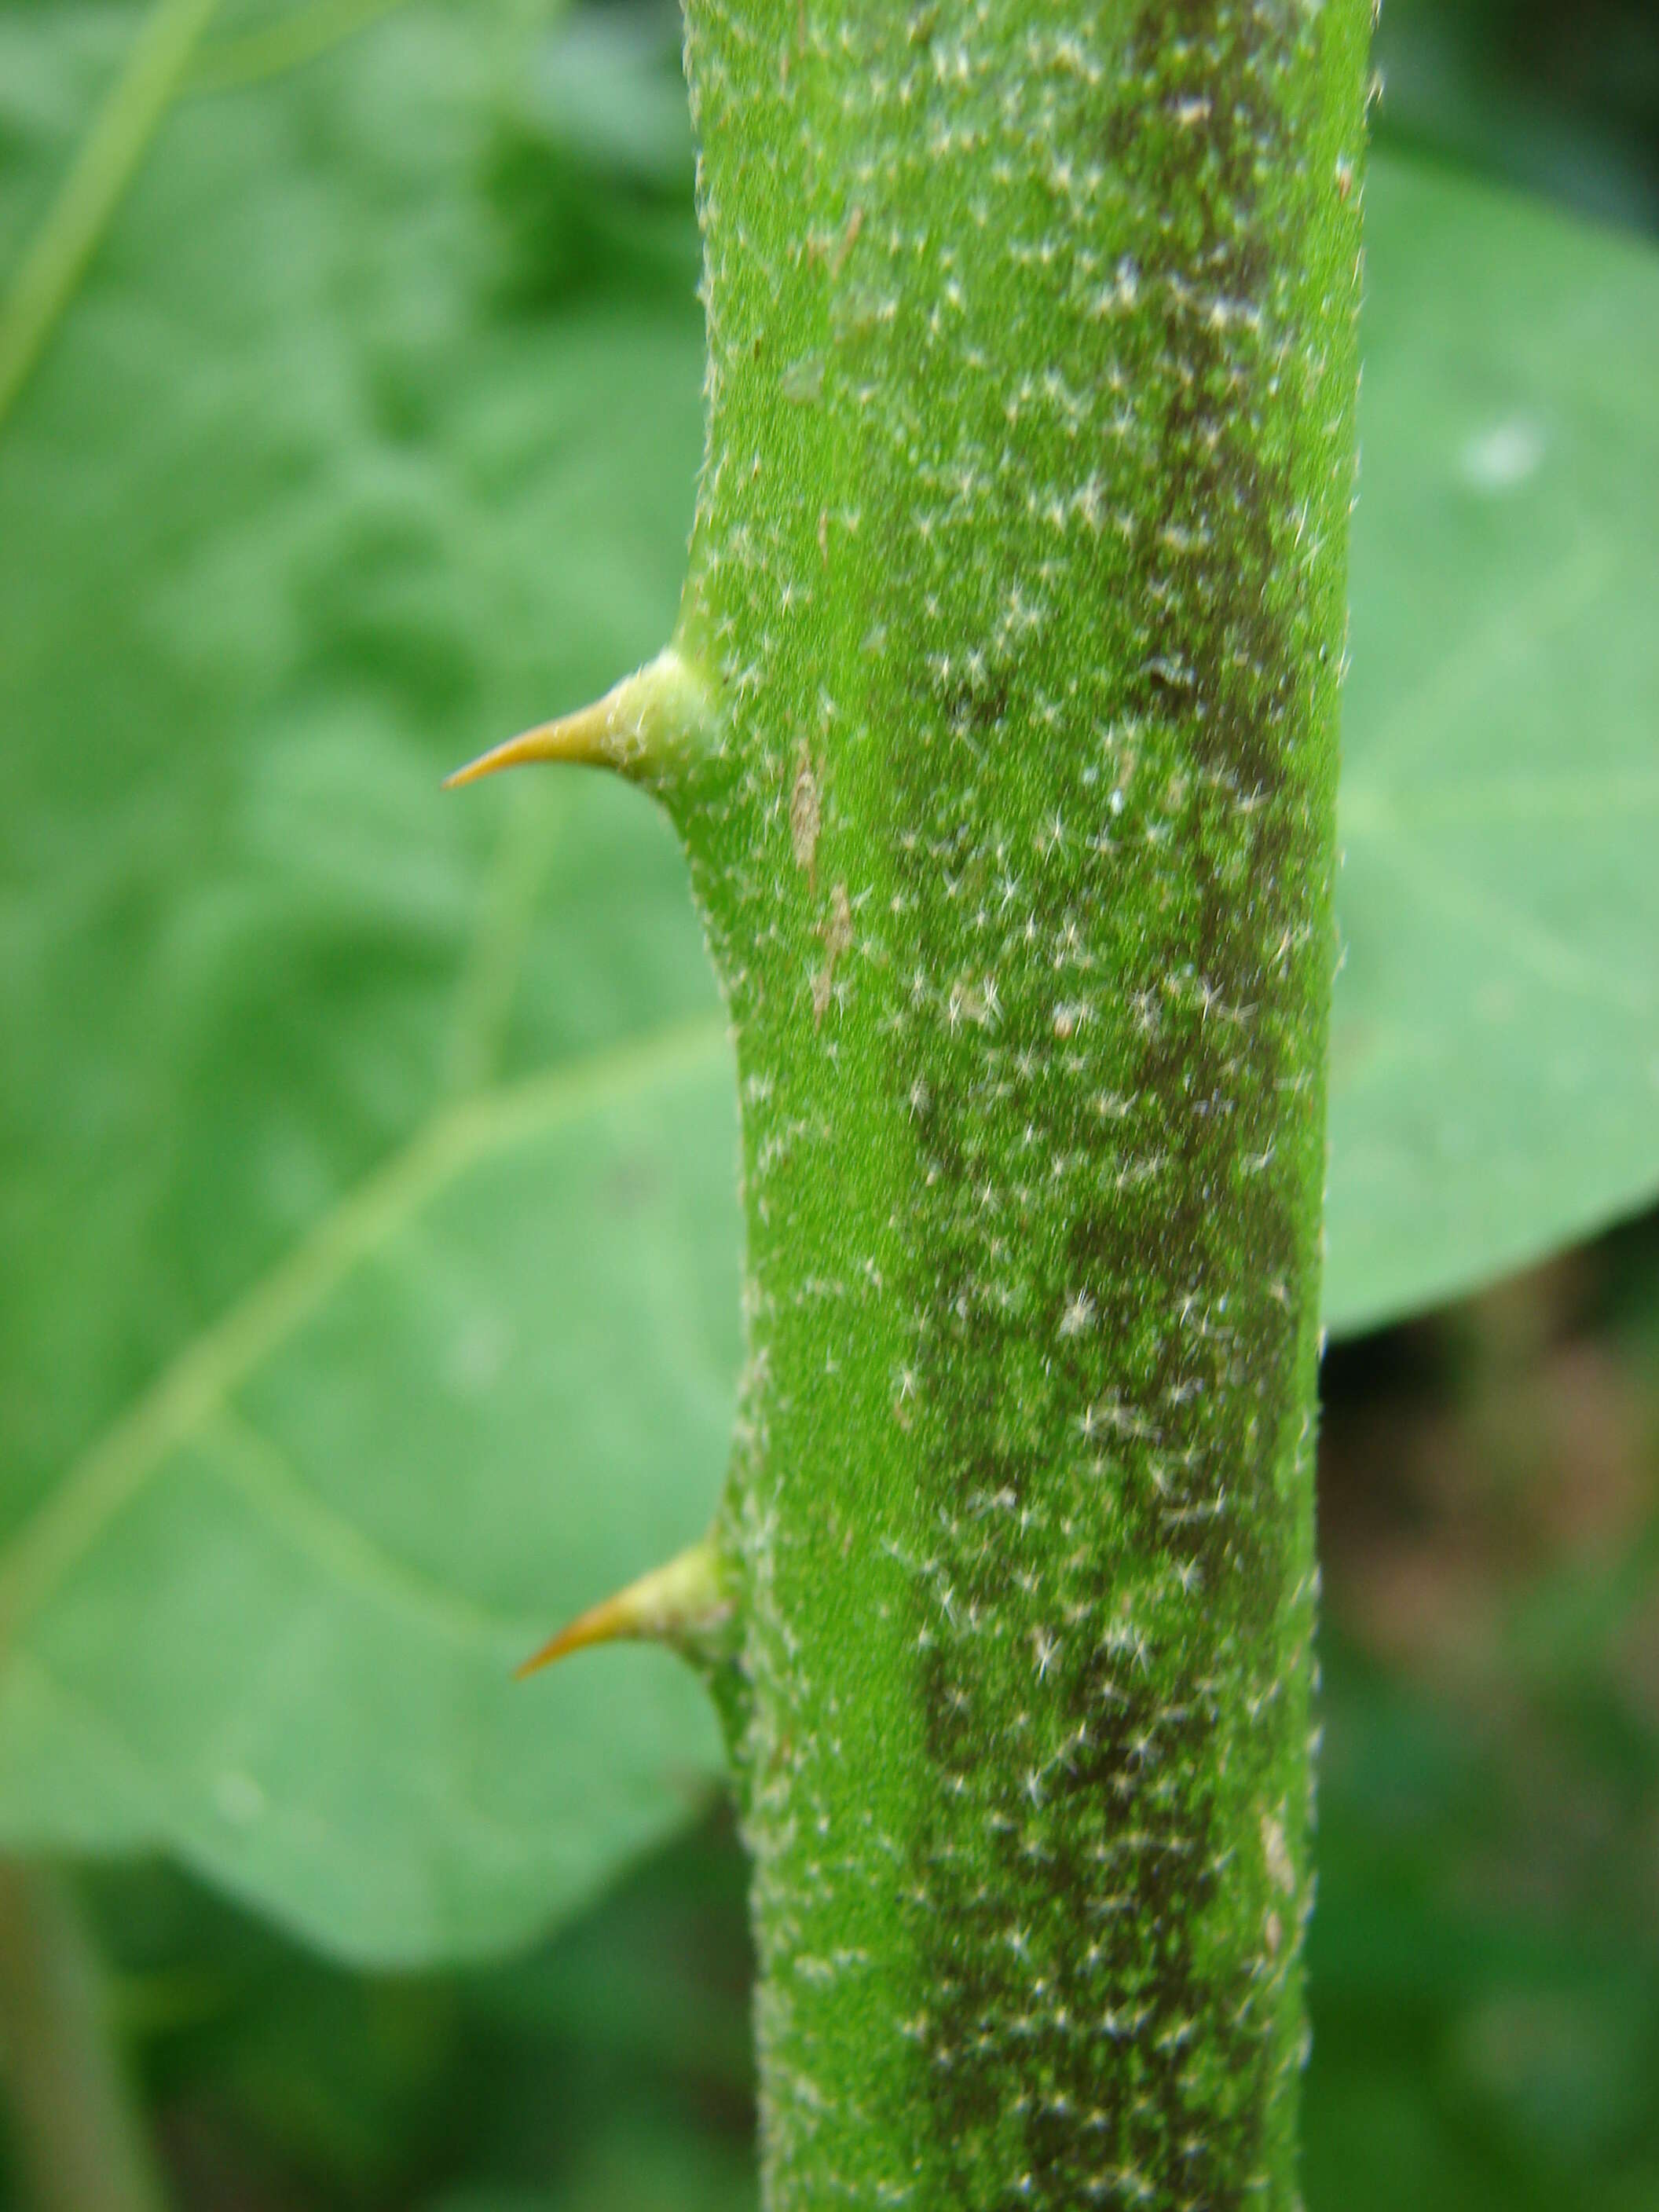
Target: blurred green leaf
[(608, 92), (609, 2065), (1562, 100), (1482, 1963), (370, 1295), (592, 164), (1495, 1051)]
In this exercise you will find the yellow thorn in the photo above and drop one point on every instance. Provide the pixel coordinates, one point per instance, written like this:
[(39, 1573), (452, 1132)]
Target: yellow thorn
[(682, 1603), (638, 728)]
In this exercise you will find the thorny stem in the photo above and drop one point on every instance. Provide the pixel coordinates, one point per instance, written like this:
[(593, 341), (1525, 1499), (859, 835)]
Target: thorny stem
[(1002, 740)]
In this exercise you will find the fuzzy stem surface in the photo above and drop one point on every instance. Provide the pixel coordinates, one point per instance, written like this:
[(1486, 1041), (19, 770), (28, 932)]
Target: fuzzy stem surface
[(1017, 600)]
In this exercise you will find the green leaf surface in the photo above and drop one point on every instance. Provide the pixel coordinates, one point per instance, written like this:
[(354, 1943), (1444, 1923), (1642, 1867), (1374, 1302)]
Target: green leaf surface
[(370, 1295), (1495, 1051), (367, 1159)]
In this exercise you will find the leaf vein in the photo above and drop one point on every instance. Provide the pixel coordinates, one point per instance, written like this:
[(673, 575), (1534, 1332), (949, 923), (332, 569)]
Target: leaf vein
[(266, 1478), (179, 1403)]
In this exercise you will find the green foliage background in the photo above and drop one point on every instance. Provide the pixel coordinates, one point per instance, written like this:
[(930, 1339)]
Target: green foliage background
[(366, 1160)]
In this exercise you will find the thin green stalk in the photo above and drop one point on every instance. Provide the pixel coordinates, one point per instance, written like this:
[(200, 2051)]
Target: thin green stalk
[(78, 2137), (46, 279)]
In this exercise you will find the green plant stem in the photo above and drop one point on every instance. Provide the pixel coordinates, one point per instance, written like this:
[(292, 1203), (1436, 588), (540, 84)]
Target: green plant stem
[(78, 2136), (1017, 599)]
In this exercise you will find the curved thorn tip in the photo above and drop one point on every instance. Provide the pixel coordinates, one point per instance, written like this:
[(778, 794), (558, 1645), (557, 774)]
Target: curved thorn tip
[(537, 744), (637, 728), (604, 1623), (683, 1602)]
